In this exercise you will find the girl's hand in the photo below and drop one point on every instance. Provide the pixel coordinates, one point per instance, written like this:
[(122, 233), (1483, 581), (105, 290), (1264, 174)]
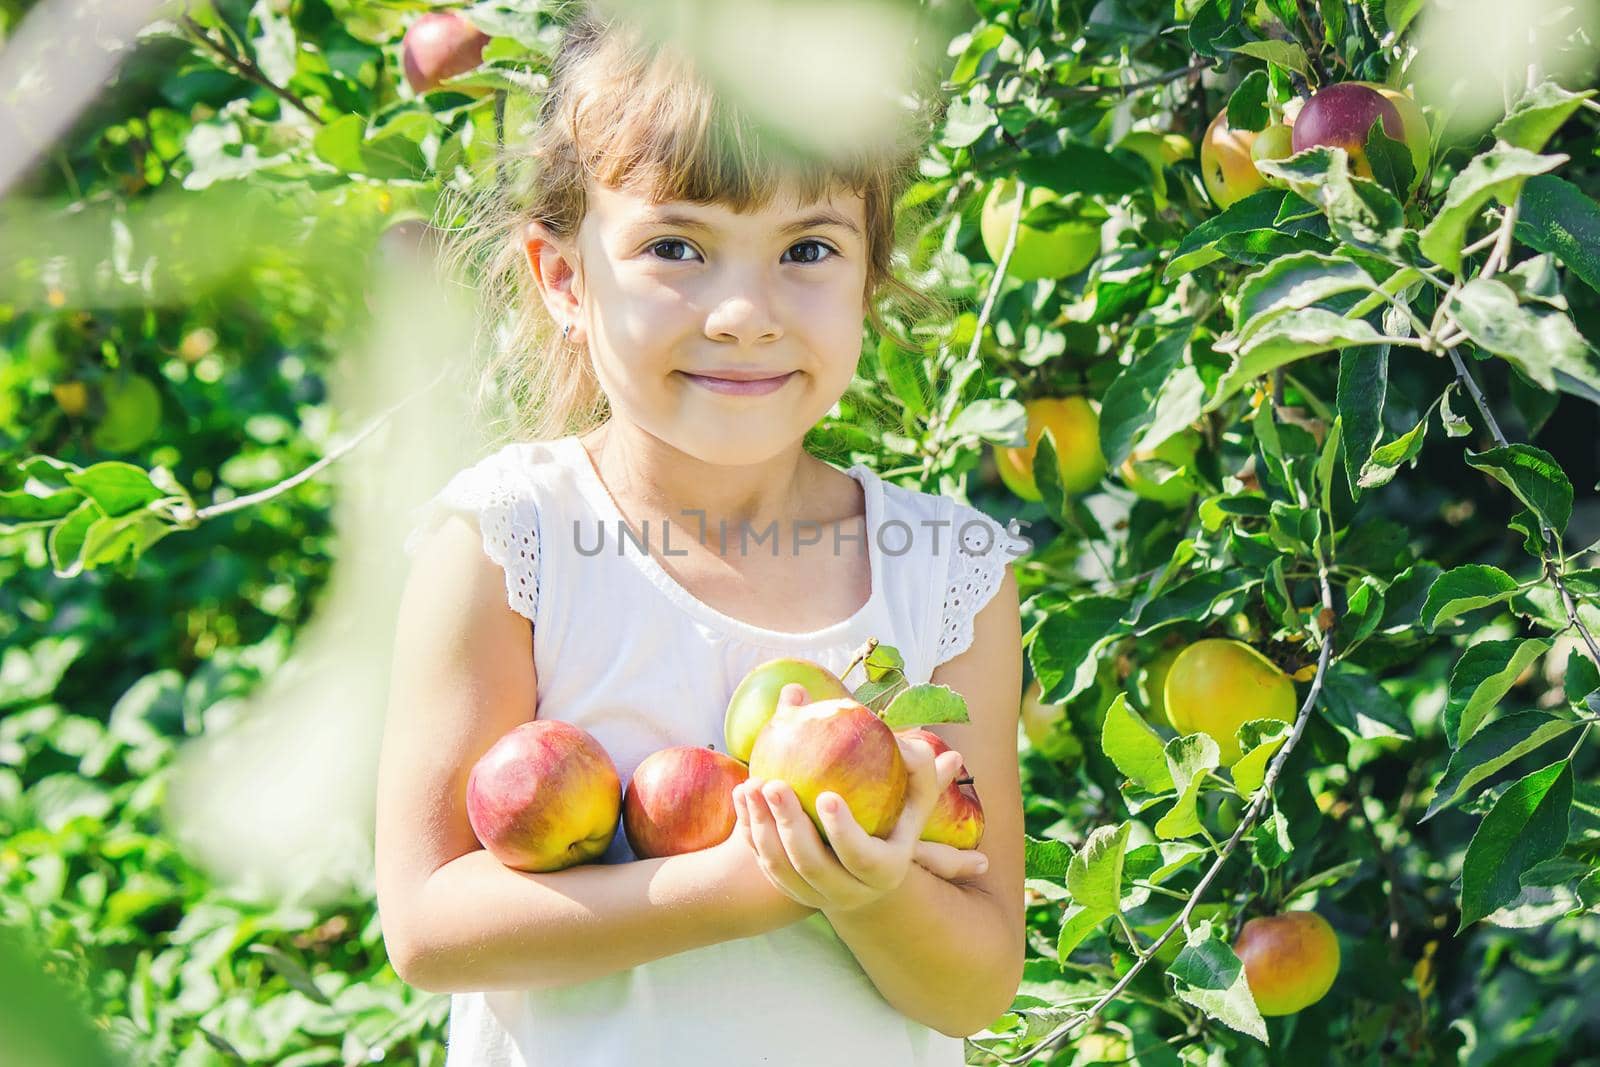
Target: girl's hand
[(859, 868)]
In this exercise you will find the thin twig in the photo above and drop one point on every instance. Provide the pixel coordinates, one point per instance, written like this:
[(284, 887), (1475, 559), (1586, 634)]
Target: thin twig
[(1127, 87), (247, 69), (250, 500), (1258, 803)]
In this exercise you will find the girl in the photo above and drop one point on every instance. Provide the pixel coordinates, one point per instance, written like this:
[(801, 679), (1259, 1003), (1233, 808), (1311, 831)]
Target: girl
[(709, 307)]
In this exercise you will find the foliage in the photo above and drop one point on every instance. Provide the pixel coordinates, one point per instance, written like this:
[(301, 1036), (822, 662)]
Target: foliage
[(1394, 392)]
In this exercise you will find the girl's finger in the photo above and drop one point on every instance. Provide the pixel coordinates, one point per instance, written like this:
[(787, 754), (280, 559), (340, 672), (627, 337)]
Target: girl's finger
[(808, 853), (858, 852), (774, 856), (929, 780), (951, 864)]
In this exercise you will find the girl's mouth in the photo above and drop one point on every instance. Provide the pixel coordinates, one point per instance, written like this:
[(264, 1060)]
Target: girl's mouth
[(730, 387)]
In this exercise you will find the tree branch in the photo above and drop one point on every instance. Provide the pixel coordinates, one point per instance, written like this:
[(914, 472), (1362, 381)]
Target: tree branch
[(246, 67), (1127, 87), (188, 520)]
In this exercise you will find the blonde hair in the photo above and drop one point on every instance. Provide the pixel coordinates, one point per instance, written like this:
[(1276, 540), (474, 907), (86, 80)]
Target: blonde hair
[(625, 114)]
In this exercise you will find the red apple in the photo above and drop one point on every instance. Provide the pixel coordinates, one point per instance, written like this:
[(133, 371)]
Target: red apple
[(680, 799), (957, 817), (440, 45), (1290, 960), (544, 797), (756, 698), (837, 746), (1341, 116)]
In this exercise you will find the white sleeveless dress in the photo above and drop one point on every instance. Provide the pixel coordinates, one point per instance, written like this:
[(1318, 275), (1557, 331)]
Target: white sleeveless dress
[(624, 651)]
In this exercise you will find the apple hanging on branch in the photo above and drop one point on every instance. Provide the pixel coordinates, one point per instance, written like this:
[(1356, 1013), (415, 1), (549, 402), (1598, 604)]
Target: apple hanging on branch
[(440, 45)]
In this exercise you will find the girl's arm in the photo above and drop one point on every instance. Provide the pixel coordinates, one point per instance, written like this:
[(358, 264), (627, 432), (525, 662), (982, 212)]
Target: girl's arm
[(454, 919)]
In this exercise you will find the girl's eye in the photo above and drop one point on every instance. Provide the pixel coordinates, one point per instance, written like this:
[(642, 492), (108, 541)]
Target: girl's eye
[(671, 242), (814, 244), (668, 242)]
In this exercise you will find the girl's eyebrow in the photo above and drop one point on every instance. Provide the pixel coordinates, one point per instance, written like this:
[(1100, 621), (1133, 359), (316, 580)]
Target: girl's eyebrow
[(812, 221)]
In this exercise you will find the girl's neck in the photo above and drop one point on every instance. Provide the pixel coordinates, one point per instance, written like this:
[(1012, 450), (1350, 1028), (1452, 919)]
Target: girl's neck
[(648, 478)]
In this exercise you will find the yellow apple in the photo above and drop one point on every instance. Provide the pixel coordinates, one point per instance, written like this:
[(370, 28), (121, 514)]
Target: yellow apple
[(1054, 253), (1218, 684), (1176, 451), (1073, 422), (1225, 164)]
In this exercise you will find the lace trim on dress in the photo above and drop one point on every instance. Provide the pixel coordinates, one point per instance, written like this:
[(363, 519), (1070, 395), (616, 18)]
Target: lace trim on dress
[(486, 492), (977, 564)]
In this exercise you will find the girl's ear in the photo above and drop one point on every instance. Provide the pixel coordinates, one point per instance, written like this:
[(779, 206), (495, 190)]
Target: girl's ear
[(552, 264)]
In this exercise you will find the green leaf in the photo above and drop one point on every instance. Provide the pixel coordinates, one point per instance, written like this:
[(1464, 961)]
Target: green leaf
[(1463, 589), (904, 371), (1555, 216), (1397, 14), (1363, 388), (67, 538), (1496, 175), (1247, 107), (1582, 679), (1485, 673), (1322, 879), (1047, 478), (1287, 337), (1538, 341), (1259, 740), (966, 120), (1501, 742), (37, 506), (1094, 877), (1045, 857), (1360, 212), (1526, 826), (1001, 422), (1283, 53), (1208, 975), (1455, 424), (1077, 923), (1271, 840), (1534, 476), (1537, 116), (29, 675), (292, 971), (1390, 160), (1297, 281), (1132, 401), (1083, 168), (923, 704), (1354, 702), (1255, 212), (1387, 459), (117, 488), (1188, 760), (1063, 654), (1135, 747)]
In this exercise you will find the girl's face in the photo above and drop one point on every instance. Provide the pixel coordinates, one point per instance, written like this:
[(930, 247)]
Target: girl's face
[(675, 299)]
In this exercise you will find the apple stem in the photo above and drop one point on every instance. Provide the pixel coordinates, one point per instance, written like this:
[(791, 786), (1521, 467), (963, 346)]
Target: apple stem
[(861, 654)]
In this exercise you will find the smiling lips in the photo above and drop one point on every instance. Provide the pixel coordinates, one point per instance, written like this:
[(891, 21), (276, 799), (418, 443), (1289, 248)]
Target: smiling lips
[(739, 383)]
